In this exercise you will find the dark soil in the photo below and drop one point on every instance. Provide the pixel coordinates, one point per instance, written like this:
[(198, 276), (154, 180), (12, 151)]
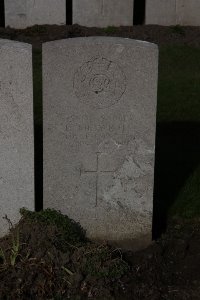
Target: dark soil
[(160, 35), (46, 256)]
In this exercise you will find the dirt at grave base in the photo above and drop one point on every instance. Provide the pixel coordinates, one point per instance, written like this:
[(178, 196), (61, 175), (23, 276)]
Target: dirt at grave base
[(161, 35), (48, 260)]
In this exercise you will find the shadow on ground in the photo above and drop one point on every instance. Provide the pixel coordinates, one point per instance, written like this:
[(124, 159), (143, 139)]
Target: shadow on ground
[(38, 167), (177, 156), (38, 127)]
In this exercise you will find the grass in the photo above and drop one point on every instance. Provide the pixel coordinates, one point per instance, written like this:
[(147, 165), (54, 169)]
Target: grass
[(101, 262), (69, 230), (178, 85), (187, 203), (178, 110), (109, 29), (14, 252), (178, 104)]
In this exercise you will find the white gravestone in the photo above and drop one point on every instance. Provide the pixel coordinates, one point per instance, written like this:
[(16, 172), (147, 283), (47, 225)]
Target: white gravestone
[(99, 135), (191, 13), (173, 12), (24, 13), (16, 131), (103, 13)]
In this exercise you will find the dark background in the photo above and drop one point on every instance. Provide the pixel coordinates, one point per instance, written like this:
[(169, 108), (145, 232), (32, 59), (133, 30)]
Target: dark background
[(2, 15)]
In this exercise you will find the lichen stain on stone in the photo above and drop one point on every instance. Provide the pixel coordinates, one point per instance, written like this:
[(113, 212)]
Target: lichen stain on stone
[(129, 185)]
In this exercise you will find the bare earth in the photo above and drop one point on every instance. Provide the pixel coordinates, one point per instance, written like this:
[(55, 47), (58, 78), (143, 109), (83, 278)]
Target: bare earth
[(160, 35)]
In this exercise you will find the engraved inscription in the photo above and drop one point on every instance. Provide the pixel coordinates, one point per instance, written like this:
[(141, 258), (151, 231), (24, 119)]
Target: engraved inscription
[(82, 130), (99, 83)]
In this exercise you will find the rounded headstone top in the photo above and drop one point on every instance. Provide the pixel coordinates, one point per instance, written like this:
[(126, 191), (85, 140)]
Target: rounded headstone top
[(101, 39), (4, 43)]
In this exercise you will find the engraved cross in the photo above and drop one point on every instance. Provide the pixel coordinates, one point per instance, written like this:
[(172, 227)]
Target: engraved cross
[(97, 173)]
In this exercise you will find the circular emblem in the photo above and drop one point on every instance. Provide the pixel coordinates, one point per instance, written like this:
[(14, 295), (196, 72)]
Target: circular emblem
[(100, 83)]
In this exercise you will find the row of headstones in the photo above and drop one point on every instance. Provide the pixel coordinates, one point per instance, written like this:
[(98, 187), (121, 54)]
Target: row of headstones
[(99, 102), (100, 13)]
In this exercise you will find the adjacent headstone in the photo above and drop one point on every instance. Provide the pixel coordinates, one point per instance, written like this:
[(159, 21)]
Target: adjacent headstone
[(191, 13), (16, 131), (24, 13), (173, 12), (161, 12), (103, 13), (99, 135)]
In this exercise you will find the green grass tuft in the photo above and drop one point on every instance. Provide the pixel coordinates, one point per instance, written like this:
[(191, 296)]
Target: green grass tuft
[(110, 29), (70, 232), (103, 262), (178, 84), (187, 204)]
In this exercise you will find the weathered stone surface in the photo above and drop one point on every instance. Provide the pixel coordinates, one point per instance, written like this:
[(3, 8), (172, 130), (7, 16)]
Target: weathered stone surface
[(99, 135), (173, 12), (16, 131), (25, 13), (192, 13), (161, 12), (103, 13)]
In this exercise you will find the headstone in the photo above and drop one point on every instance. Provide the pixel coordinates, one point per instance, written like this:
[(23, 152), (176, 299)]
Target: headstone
[(99, 135), (103, 13), (161, 12), (191, 13), (25, 13), (173, 12), (16, 131)]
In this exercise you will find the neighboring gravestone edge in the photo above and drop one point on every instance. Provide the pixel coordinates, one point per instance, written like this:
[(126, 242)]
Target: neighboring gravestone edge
[(16, 45), (101, 13), (99, 101), (16, 134)]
